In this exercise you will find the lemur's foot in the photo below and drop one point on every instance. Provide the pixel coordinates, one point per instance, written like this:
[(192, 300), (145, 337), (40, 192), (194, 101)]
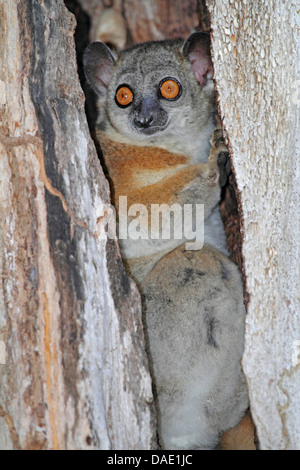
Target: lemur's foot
[(220, 154)]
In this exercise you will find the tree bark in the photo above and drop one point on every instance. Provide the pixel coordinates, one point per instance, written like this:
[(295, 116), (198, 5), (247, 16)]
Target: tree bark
[(256, 53), (73, 369)]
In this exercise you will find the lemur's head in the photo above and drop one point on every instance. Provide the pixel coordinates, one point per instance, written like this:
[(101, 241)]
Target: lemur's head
[(154, 89)]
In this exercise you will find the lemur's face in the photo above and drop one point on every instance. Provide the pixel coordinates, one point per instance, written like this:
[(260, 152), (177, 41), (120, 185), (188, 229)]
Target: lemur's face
[(150, 91), (147, 93)]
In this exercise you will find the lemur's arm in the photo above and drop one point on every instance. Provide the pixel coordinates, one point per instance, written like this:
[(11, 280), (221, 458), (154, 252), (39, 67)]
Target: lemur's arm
[(193, 184)]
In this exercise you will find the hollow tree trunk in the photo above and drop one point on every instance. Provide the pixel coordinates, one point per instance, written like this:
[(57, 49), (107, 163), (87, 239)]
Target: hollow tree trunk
[(73, 371), (256, 52), (152, 20)]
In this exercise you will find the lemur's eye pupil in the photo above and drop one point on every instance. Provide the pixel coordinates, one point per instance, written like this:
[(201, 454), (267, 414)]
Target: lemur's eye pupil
[(124, 96), (170, 89)]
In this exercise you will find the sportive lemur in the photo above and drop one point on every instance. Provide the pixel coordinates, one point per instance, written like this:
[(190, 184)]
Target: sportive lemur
[(156, 124)]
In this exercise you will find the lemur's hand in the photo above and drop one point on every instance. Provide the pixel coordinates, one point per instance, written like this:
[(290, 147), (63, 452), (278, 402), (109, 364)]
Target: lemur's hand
[(220, 154)]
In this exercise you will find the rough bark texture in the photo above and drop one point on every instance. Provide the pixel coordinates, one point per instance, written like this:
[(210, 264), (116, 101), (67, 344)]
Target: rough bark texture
[(73, 371), (256, 52)]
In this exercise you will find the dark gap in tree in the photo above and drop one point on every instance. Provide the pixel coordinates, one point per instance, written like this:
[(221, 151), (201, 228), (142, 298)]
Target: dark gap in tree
[(82, 40), (229, 199)]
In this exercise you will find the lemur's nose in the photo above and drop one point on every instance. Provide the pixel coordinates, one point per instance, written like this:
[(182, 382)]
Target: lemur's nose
[(143, 120), (144, 113)]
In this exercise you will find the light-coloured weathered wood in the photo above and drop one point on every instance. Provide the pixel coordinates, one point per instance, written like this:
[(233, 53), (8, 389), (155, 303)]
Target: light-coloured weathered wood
[(256, 53), (73, 369)]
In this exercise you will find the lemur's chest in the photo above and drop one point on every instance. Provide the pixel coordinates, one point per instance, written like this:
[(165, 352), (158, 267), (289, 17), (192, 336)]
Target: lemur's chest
[(146, 175)]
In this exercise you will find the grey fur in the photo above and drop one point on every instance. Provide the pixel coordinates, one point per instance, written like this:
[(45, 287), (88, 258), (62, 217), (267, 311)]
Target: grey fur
[(195, 342), (193, 300)]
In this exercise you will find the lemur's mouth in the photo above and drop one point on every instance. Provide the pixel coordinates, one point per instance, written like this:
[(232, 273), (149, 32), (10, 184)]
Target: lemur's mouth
[(151, 129)]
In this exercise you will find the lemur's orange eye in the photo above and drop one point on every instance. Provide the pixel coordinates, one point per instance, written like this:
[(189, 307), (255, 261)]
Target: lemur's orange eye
[(124, 96), (170, 89)]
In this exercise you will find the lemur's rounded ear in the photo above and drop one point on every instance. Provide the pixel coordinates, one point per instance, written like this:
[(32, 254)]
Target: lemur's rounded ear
[(98, 63), (196, 49)]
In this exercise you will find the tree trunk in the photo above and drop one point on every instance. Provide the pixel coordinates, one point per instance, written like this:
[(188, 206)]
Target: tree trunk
[(73, 368), (256, 52)]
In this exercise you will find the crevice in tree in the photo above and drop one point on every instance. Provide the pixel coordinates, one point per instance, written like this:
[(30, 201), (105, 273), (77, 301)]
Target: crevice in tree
[(229, 205), (82, 40)]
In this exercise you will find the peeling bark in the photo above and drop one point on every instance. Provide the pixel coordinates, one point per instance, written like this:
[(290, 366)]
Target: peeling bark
[(256, 54), (73, 369)]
